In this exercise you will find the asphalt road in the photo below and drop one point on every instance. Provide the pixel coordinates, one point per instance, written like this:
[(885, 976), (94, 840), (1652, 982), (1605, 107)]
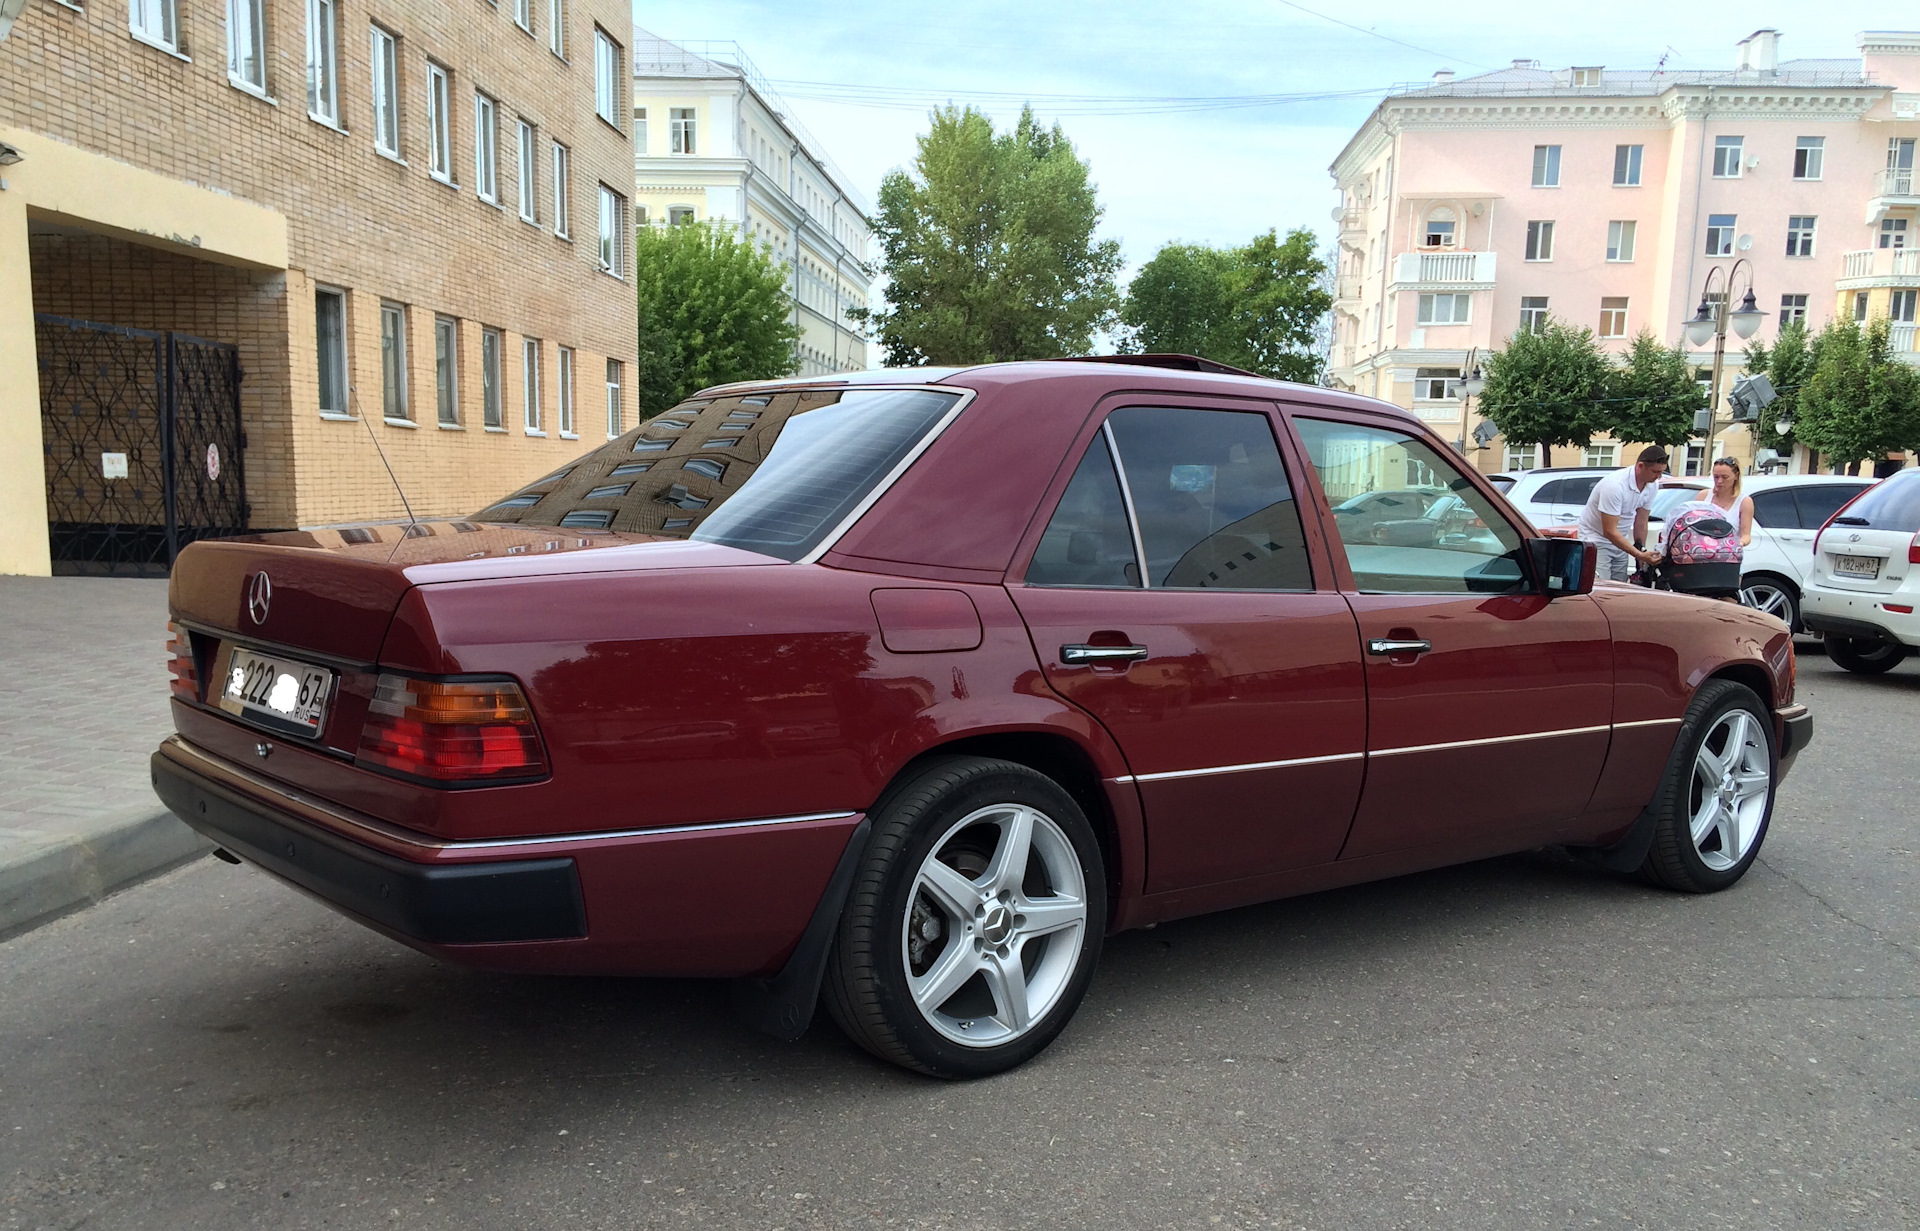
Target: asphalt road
[(1519, 1043)]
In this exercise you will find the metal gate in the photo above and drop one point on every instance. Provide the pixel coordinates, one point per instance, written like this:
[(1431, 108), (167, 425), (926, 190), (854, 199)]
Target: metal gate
[(141, 432)]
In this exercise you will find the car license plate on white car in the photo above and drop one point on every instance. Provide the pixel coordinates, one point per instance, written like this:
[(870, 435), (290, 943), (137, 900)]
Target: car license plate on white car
[(1866, 568), (276, 692)]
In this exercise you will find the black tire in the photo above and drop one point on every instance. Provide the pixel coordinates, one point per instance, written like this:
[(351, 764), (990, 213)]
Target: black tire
[(1758, 590), (867, 989), (1865, 657), (1675, 860)]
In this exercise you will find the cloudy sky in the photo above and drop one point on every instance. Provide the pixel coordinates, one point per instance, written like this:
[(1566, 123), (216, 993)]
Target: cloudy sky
[(861, 73)]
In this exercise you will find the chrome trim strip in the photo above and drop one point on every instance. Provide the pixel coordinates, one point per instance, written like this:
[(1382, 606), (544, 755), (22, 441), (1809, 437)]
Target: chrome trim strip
[(1481, 743), (1126, 500), (1164, 775), (1648, 722), (492, 843), (965, 399)]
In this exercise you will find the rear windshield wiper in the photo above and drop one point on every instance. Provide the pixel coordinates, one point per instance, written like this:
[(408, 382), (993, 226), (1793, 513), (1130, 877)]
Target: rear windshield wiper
[(1851, 521)]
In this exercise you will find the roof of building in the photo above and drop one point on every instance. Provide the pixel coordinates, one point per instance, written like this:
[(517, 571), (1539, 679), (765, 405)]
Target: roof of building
[(1527, 81)]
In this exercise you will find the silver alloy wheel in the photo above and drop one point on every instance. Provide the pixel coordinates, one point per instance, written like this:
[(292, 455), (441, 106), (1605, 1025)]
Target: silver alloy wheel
[(1732, 780), (995, 925), (1770, 598)]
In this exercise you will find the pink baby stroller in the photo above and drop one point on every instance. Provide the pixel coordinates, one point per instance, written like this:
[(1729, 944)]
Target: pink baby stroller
[(1702, 552)]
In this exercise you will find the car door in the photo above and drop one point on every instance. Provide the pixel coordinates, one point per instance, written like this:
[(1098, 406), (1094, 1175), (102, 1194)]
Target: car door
[(1489, 705), (1776, 545), (1172, 595), (1570, 500), (1814, 503)]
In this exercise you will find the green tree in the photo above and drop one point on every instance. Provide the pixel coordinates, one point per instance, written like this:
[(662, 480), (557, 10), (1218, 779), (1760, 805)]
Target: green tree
[(713, 309), (1787, 363), (1257, 307), (989, 249), (1860, 402), (1545, 387), (1653, 397)]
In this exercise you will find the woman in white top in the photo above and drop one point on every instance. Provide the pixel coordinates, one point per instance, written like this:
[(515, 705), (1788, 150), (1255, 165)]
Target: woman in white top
[(1726, 496)]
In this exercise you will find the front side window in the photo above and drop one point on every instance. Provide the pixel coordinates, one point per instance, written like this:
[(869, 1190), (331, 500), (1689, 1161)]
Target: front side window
[(1793, 308), (330, 334), (1540, 241), (1720, 228), (393, 362), (1613, 317), (386, 93), (528, 169), (613, 213), (530, 383), (247, 44), (1808, 155), (562, 163), (1620, 237), (486, 149), (1726, 157), (1546, 166), (1444, 308), (157, 21), (803, 463), (1800, 235), (446, 370), (680, 128), (1457, 544), (439, 124), (615, 378), (606, 77), (1626, 165), (564, 378), (323, 60), (1533, 314), (492, 342)]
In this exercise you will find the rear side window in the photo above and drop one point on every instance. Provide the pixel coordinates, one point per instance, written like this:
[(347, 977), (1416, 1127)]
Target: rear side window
[(1088, 542), (1819, 503), (1893, 504), (1576, 491), (1776, 509), (1548, 493), (779, 487)]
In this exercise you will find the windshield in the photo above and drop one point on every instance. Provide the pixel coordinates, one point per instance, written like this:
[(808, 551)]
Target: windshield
[(773, 473), (1893, 504)]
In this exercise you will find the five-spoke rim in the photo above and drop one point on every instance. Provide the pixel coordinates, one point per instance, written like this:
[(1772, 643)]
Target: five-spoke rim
[(1770, 598), (994, 925), (1732, 782)]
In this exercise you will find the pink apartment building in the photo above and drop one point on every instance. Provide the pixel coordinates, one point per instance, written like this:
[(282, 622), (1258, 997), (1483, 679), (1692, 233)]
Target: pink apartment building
[(1471, 208)]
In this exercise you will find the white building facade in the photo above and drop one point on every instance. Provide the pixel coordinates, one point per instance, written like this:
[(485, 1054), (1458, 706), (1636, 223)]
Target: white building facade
[(714, 143)]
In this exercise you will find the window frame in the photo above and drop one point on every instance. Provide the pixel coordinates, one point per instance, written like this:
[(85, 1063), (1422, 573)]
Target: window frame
[(523, 15), (1539, 247), (563, 389), (640, 131), (256, 15), (338, 362), (611, 223), (486, 147), (532, 413), (608, 60), (440, 122), (1800, 239), (1429, 300), (1793, 307), (1628, 160), (493, 400), (393, 365), (527, 170), (383, 87), (1809, 160), (1546, 166), (446, 371), (1723, 145), (1622, 240), (156, 23), (616, 409), (683, 131), (557, 27), (1616, 306), (562, 159), (323, 61), (1534, 319), (1729, 233)]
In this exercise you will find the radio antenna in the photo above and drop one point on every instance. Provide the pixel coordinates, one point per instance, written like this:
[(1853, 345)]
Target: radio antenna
[(375, 437)]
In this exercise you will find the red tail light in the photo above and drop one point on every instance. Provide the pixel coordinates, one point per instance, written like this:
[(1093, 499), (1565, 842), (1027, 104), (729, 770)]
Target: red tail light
[(451, 731), (185, 683), (1913, 550)]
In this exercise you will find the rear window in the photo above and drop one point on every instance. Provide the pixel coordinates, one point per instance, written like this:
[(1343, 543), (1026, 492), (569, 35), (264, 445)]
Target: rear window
[(1893, 504), (770, 473), (1502, 483)]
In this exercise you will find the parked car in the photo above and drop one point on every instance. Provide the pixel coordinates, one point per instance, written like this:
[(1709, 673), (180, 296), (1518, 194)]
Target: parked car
[(1864, 583), (1553, 495), (901, 690)]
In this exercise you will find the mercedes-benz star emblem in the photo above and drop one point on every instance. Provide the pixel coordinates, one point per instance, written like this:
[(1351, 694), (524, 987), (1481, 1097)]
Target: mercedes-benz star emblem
[(259, 597)]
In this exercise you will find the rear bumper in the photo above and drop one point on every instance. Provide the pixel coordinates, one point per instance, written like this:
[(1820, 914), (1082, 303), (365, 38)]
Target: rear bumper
[(1864, 616)]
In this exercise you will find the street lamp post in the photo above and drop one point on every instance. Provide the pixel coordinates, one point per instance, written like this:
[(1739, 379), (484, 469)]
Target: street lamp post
[(1472, 385), (1712, 320)]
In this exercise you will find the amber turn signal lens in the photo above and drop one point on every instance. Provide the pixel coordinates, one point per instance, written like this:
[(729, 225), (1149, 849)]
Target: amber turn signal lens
[(451, 730), (184, 680)]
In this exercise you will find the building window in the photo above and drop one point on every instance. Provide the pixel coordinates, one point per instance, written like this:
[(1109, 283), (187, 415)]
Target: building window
[(1720, 229), (1859, 307), (491, 344), (1523, 457), (639, 216), (330, 336), (614, 381), (1533, 313), (1620, 236), (1800, 235), (613, 227), (1900, 306), (679, 215), (1586, 76), (530, 382), (1546, 166), (386, 93), (156, 21), (1893, 232), (680, 128), (1696, 460), (1626, 165), (557, 27), (1792, 308), (1602, 453), (523, 14), (247, 44), (486, 150), (1613, 317), (1540, 241), (1899, 182), (1439, 232), (566, 390), (1808, 154), (527, 153), (323, 61), (1445, 308), (562, 161), (446, 370), (640, 131), (606, 77), (439, 125), (393, 362), (1726, 157), (1436, 385)]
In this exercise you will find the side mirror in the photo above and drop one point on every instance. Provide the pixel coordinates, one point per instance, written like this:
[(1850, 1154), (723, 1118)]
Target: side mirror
[(1563, 566)]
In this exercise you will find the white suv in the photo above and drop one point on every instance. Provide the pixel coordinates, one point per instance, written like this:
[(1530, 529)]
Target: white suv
[(1550, 495), (1866, 578)]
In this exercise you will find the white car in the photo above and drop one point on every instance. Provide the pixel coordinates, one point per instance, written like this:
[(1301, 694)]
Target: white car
[(1788, 510), (1865, 582), (1550, 495)]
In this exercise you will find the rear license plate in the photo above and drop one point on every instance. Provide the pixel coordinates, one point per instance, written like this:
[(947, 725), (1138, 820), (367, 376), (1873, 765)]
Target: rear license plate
[(1867, 568), (276, 692)]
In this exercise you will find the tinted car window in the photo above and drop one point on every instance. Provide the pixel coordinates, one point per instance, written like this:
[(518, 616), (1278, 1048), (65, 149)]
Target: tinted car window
[(1461, 546), (1547, 493), (1776, 509), (804, 461), (1211, 499), (1893, 504), (1576, 491), (1088, 542), (1817, 503)]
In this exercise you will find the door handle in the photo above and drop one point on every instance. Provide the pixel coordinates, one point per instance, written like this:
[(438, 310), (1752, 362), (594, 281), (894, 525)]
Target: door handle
[(1394, 645), (1102, 653)]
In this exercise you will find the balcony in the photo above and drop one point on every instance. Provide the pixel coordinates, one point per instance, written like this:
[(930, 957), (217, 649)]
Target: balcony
[(1894, 188), (1351, 219), (1348, 288), (1870, 267), (1901, 340), (1445, 270)]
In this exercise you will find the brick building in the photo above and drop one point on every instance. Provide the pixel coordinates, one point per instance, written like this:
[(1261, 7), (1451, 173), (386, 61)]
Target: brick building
[(400, 220)]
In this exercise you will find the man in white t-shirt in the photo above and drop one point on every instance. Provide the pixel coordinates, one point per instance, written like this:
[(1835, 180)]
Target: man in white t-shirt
[(1622, 496)]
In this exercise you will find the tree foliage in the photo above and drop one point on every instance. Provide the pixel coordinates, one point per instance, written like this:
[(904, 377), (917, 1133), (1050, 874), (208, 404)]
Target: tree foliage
[(713, 309), (1787, 364), (1653, 397), (1545, 387), (989, 247), (1860, 402), (1257, 307)]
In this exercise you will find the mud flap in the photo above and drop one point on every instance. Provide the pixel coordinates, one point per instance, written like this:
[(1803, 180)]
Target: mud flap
[(783, 1005)]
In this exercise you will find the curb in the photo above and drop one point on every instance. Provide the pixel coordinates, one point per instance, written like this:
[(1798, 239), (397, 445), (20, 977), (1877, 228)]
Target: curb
[(42, 883)]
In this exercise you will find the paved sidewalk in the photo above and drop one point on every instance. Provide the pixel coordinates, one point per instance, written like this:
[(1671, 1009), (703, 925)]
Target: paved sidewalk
[(83, 703)]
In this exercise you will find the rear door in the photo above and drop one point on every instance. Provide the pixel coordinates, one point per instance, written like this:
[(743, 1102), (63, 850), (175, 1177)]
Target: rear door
[(1570, 500), (1489, 705), (1813, 504), (1171, 594)]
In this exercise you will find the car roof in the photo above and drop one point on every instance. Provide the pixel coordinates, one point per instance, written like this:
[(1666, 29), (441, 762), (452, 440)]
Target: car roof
[(1761, 482)]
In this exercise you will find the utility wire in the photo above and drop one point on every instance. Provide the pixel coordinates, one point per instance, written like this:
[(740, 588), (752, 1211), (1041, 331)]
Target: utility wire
[(1376, 34)]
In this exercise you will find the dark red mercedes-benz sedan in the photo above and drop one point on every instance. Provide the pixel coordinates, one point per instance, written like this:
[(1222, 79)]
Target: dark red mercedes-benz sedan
[(905, 688)]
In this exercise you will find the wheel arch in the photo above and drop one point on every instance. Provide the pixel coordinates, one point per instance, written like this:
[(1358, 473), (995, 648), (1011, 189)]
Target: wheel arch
[(1752, 674)]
